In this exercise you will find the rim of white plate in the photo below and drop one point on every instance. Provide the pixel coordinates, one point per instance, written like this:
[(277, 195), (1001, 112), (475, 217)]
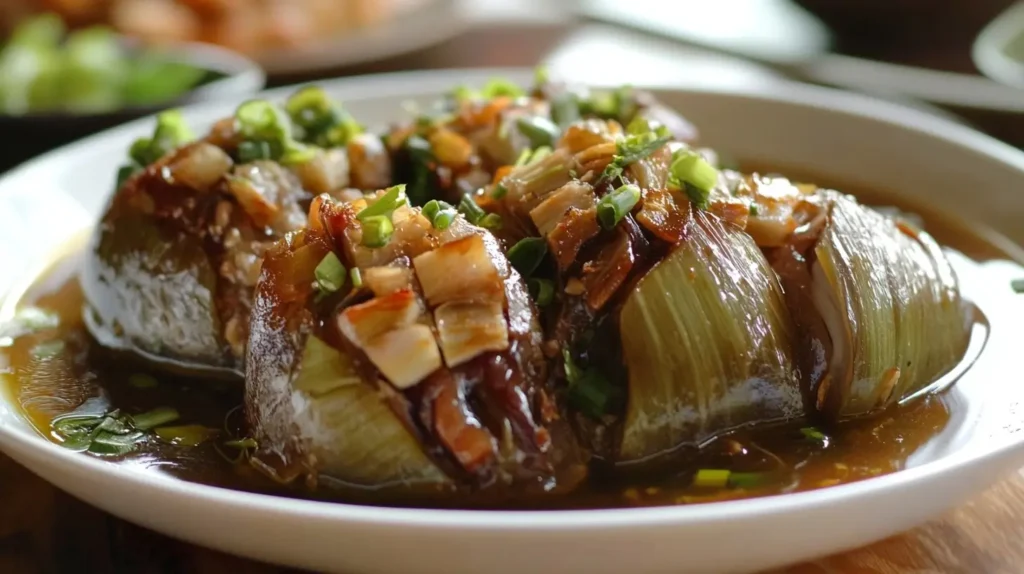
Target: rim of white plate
[(33, 445)]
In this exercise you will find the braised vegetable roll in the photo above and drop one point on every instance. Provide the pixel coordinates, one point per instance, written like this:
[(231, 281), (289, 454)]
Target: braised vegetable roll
[(671, 325), (175, 256), (393, 347), (877, 304), (476, 135)]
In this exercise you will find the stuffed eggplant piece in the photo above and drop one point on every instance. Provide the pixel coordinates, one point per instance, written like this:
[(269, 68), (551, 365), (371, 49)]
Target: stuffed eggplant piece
[(877, 306), (673, 325), (175, 256), (394, 348), (476, 136)]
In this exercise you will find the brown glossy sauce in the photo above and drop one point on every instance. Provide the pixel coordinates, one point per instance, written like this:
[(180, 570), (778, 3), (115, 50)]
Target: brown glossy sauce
[(74, 373)]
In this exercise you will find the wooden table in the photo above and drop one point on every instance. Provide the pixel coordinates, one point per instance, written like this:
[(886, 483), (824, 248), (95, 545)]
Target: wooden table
[(44, 530)]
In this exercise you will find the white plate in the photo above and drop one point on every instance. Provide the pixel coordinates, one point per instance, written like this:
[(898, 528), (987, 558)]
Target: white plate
[(849, 137), (416, 24)]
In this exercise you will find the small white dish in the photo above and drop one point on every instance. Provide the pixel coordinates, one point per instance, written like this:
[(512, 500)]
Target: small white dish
[(415, 25), (848, 137)]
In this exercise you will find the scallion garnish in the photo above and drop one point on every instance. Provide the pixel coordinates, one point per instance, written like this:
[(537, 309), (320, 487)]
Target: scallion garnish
[(542, 291), (539, 130), (392, 199), (330, 273), (125, 172), (111, 444), (250, 151), (421, 156), (377, 231), (439, 213), (187, 435), (171, 132), (527, 254), (496, 87), (243, 443), (357, 277), (1017, 285), (500, 191), (469, 208), (754, 210), (711, 478), (154, 418), (748, 479), (632, 149), (691, 172), (524, 158), (490, 221), (815, 435), (321, 120), (541, 75), (565, 109), (615, 205), (142, 381)]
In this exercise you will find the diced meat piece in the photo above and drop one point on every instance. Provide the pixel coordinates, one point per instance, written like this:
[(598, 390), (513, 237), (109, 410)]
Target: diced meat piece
[(386, 280), (566, 240), (457, 271), (549, 213), (363, 322), (406, 355), (199, 166), (325, 173), (466, 330)]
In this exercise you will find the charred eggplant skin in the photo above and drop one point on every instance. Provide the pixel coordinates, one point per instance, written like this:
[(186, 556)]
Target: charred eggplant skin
[(150, 276), (351, 386)]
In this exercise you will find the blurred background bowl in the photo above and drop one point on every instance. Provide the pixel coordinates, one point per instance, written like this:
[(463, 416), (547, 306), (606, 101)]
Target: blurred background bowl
[(225, 74)]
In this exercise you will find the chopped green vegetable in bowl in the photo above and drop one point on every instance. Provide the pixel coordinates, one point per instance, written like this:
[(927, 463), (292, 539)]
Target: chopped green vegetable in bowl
[(44, 68)]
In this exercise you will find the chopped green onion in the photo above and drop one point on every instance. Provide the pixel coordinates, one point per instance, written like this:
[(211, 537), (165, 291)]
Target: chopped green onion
[(154, 418), (524, 158), (188, 435), (444, 218), (539, 154), (125, 172), (322, 121), (469, 208), (565, 110), (496, 87), (748, 479), (711, 478), (690, 171), (115, 444), (572, 372), (142, 381), (439, 213), (250, 151), (815, 435), (243, 443), (500, 191), (422, 156), (527, 254), (392, 199), (171, 132), (463, 93), (591, 394), (357, 277), (754, 210), (615, 205), (330, 273), (47, 350), (632, 149), (641, 125), (1017, 285), (541, 75), (490, 221), (430, 209), (262, 120), (542, 291), (539, 130), (377, 231)]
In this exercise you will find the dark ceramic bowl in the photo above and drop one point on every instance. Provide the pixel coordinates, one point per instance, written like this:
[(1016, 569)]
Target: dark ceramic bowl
[(228, 75)]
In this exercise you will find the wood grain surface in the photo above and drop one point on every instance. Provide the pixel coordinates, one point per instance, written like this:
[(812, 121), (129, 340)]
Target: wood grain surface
[(43, 530)]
